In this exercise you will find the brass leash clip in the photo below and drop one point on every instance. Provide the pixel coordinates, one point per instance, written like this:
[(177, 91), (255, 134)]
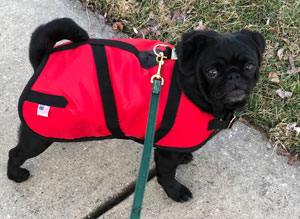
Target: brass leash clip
[(160, 60)]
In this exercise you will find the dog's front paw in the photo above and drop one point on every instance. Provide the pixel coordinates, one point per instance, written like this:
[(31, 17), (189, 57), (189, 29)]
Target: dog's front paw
[(18, 174), (177, 191)]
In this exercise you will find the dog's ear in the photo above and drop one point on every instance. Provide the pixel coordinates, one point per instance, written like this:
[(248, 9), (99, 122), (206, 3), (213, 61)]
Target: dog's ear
[(190, 47), (257, 38)]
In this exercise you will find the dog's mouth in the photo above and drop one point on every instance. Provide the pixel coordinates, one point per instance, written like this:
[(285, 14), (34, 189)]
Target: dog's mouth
[(235, 96)]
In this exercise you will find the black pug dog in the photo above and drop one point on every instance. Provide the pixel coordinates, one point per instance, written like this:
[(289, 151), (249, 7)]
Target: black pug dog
[(217, 73)]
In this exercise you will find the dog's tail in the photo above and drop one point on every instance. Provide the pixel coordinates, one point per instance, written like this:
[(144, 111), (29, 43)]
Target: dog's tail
[(45, 36)]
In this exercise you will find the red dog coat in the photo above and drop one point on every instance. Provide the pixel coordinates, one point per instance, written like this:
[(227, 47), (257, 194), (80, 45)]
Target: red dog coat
[(101, 89)]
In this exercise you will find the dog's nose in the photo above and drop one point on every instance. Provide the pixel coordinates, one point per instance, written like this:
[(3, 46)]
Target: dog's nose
[(234, 76)]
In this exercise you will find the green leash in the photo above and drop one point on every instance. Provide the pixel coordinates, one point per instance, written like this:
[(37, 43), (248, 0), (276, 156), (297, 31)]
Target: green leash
[(140, 187)]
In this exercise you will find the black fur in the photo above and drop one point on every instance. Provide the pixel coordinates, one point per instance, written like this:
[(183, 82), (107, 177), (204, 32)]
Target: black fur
[(198, 53), (228, 53), (28, 146), (45, 36)]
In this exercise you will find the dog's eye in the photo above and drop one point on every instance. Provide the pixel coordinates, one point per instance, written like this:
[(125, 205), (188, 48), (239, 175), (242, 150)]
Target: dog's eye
[(212, 72), (249, 67)]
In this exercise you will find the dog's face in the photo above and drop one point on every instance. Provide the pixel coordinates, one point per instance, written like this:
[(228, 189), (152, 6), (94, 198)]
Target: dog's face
[(220, 69)]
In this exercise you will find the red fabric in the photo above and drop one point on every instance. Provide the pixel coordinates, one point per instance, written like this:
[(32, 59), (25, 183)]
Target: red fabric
[(190, 128), (72, 74)]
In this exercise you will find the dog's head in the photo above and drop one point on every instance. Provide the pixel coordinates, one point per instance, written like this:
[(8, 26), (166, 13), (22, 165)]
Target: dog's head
[(218, 71)]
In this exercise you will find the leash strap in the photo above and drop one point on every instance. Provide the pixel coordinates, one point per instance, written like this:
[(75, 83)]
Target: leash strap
[(157, 81), (147, 151)]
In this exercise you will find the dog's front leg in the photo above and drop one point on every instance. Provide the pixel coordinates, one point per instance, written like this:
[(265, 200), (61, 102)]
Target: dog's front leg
[(166, 164)]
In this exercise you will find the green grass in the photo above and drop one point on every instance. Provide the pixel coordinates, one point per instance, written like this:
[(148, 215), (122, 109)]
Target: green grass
[(278, 21)]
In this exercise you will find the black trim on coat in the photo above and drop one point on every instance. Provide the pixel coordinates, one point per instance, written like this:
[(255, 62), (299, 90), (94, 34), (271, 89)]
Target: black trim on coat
[(106, 90), (189, 149), (100, 42), (117, 44)]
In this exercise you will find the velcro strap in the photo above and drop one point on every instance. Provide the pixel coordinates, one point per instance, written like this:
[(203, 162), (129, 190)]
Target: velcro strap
[(168, 52), (106, 90), (47, 99)]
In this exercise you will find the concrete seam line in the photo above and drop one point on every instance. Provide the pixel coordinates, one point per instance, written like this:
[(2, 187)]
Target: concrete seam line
[(125, 193)]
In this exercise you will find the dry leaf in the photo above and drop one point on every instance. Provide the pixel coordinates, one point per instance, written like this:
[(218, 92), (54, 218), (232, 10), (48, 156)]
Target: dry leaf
[(152, 29), (275, 48), (118, 26), (297, 129), (144, 32), (293, 69), (292, 127), (273, 29), (280, 53), (274, 77), (285, 40), (135, 30), (101, 20), (152, 23), (283, 94), (151, 15), (177, 17), (243, 120), (155, 30), (201, 26), (283, 153), (293, 160)]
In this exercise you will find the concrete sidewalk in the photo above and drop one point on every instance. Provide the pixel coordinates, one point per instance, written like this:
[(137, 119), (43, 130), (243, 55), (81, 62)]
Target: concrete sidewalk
[(234, 176)]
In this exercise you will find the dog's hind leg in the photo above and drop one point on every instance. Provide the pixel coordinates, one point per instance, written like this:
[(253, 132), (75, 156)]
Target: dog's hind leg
[(166, 165), (28, 146)]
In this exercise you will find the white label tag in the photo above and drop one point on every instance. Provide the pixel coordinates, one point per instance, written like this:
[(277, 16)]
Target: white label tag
[(43, 110)]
